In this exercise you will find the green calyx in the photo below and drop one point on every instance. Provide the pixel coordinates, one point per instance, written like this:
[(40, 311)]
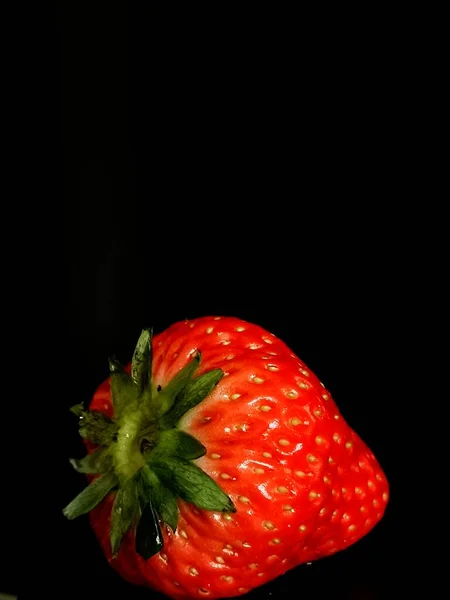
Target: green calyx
[(142, 456)]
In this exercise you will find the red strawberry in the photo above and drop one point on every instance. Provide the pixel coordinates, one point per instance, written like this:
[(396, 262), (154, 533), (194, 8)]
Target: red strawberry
[(231, 461)]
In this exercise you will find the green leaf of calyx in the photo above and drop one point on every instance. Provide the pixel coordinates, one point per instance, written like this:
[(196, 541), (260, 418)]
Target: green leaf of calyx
[(192, 484), (123, 392), (162, 499), (92, 495), (95, 426), (174, 442), (167, 396), (77, 410), (98, 461), (141, 365), (196, 391), (149, 539), (124, 512)]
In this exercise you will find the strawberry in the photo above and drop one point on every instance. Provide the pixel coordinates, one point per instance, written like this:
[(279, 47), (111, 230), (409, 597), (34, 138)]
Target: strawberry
[(218, 461)]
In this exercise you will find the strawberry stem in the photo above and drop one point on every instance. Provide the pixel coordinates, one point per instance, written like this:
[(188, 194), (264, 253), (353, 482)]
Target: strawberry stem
[(143, 454)]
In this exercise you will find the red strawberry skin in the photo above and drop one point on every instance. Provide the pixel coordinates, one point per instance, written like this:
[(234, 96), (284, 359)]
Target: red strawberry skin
[(304, 484)]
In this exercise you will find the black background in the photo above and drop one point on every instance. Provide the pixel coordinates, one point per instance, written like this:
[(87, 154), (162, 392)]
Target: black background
[(205, 164)]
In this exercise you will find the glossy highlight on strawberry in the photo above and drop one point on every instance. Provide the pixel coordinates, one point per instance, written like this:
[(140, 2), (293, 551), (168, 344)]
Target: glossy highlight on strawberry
[(240, 465)]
